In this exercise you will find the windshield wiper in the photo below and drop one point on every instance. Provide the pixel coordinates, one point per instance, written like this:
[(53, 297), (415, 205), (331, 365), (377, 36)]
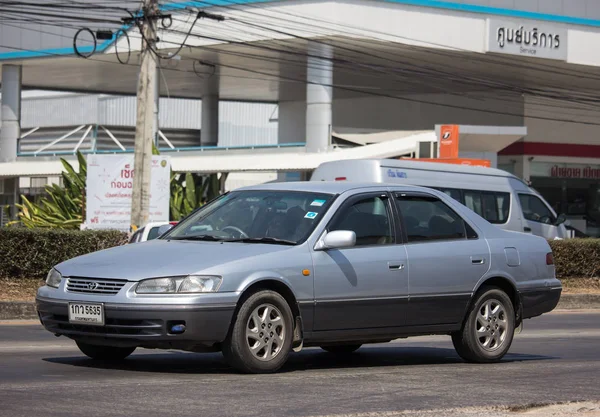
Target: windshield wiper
[(197, 237), (263, 240)]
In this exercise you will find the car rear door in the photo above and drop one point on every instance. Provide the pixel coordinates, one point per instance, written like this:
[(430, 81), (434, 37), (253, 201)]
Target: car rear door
[(365, 286), (446, 259)]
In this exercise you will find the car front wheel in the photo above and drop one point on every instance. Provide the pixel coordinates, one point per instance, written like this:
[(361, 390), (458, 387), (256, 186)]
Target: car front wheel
[(105, 352), (488, 330), (261, 337)]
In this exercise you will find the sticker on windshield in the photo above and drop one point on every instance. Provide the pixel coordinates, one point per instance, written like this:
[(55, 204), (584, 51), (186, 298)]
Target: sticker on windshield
[(311, 215), (317, 203)]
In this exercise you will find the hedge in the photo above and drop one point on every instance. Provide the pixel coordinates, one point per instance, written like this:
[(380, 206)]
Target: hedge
[(30, 253), (576, 258)]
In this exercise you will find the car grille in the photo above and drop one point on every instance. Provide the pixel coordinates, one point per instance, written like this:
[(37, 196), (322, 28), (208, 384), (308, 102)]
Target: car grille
[(122, 327), (94, 286)]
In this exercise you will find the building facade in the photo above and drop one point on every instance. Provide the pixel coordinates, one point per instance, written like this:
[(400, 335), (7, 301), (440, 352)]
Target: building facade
[(353, 67)]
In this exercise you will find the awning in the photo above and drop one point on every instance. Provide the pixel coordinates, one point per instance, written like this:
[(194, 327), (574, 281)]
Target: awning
[(34, 168)]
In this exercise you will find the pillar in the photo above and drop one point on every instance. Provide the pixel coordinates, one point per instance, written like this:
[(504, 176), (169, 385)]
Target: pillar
[(319, 94), (209, 133), (11, 112)]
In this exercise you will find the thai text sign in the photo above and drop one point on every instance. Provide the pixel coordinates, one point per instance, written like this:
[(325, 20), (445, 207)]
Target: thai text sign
[(532, 39), (109, 187)]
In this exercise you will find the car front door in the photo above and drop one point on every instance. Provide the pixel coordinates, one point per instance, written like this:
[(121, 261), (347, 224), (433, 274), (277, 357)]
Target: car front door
[(364, 286), (446, 259)]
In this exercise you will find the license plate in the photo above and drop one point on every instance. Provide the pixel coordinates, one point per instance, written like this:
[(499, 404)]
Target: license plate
[(86, 313)]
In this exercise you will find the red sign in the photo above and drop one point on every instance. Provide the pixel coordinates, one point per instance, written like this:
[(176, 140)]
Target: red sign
[(571, 172), (460, 161), (449, 141)]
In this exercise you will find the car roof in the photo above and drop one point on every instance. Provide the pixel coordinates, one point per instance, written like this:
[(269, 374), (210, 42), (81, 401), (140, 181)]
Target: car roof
[(329, 187)]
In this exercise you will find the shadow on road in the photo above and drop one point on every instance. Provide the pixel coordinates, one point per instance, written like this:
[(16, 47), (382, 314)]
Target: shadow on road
[(175, 362)]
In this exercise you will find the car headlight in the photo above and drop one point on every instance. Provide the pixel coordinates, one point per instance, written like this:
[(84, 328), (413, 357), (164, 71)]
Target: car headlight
[(53, 278), (191, 284)]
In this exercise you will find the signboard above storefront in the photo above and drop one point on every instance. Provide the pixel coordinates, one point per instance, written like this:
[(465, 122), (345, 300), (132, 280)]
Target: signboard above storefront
[(531, 39), (553, 170)]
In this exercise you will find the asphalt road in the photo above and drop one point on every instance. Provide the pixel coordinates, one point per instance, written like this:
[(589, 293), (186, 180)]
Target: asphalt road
[(555, 359)]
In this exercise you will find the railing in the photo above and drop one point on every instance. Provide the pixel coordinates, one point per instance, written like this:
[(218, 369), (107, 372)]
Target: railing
[(164, 150), (45, 150)]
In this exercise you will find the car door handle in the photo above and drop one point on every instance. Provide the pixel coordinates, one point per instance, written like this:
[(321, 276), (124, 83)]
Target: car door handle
[(395, 266), (527, 229), (477, 261)]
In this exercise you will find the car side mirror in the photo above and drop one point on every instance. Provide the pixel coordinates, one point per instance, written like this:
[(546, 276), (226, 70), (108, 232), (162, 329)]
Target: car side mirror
[(164, 229), (560, 219), (338, 239)]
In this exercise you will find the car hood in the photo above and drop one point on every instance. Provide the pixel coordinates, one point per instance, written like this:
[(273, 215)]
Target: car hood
[(160, 258)]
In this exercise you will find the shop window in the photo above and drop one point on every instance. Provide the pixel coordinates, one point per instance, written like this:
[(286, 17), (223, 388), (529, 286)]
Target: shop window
[(535, 210)]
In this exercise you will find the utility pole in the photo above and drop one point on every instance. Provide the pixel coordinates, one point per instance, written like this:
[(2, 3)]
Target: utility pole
[(144, 127)]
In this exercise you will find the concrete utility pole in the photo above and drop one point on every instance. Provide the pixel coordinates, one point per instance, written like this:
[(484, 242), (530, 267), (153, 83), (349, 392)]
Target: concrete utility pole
[(146, 86)]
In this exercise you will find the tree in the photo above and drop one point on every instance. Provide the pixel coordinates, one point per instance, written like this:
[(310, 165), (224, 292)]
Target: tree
[(63, 207)]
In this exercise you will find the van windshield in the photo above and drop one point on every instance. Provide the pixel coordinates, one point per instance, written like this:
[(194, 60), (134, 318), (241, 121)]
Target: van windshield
[(262, 216)]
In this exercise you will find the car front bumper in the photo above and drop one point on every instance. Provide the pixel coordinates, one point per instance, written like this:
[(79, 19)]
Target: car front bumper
[(143, 325)]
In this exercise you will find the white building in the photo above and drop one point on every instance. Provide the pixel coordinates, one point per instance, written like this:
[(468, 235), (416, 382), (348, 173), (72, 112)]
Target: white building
[(339, 68)]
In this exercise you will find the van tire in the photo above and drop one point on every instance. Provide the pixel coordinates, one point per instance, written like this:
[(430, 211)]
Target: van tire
[(260, 339), (488, 330)]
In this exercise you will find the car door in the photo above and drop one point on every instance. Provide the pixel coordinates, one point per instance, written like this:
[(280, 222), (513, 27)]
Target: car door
[(446, 259), (538, 218), (364, 286)]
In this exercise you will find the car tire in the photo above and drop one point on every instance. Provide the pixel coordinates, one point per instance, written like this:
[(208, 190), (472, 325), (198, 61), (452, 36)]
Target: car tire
[(260, 338), (488, 329), (341, 349), (111, 353)]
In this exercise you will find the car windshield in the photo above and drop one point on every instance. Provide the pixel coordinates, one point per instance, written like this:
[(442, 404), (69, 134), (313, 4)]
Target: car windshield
[(255, 216)]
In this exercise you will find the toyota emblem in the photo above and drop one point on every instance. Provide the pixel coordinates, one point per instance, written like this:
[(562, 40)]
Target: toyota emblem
[(92, 285)]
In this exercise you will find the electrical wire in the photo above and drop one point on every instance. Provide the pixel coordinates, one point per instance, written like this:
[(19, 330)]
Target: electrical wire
[(183, 44)]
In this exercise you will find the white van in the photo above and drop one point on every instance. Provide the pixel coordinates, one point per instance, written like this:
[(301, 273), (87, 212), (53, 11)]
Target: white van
[(499, 197)]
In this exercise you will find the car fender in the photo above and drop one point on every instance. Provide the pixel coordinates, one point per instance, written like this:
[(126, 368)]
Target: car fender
[(263, 276), (494, 273)]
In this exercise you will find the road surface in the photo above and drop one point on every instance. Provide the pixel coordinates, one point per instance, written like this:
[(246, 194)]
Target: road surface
[(555, 359)]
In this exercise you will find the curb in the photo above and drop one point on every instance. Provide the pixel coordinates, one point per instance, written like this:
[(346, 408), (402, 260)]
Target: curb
[(579, 302), (23, 310), (17, 310)]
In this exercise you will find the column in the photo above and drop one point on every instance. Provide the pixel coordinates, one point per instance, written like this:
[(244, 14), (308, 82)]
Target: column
[(319, 93), (209, 129), (11, 112)]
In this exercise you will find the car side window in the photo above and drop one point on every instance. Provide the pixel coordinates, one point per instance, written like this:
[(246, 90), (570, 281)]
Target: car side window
[(153, 233), (369, 218), (535, 210), (136, 236), (428, 218)]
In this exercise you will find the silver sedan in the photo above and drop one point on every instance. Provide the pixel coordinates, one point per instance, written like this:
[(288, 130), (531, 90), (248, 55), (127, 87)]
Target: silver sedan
[(263, 271)]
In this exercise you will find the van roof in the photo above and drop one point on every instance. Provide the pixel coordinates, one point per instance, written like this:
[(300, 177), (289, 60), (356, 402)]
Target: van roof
[(428, 166), (329, 187)]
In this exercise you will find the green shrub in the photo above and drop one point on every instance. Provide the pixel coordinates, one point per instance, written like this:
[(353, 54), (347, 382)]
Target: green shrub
[(576, 258), (30, 253)]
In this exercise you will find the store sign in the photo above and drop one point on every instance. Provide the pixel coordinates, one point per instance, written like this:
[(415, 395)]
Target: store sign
[(575, 172), (109, 187), (538, 40)]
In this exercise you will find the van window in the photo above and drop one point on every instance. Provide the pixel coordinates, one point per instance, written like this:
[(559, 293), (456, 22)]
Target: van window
[(427, 218), (535, 210), (452, 192), (492, 206)]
